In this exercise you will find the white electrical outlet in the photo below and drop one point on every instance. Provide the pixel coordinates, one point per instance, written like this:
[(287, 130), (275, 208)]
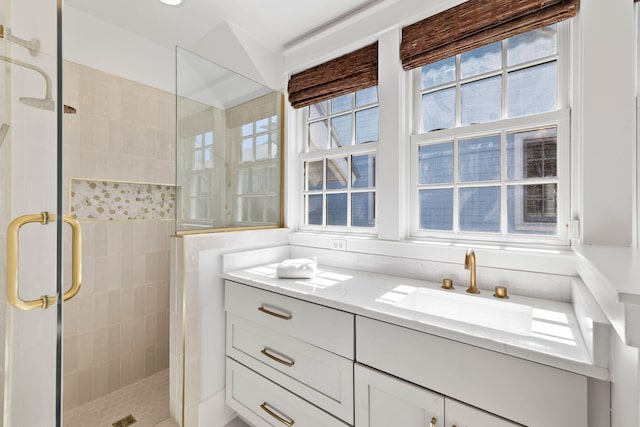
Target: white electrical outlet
[(339, 244)]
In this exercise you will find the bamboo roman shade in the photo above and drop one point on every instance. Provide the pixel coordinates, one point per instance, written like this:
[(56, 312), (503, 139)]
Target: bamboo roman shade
[(475, 23), (351, 72)]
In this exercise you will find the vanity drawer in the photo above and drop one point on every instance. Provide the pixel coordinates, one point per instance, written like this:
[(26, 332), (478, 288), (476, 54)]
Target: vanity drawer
[(319, 376), (263, 403), (321, 326)]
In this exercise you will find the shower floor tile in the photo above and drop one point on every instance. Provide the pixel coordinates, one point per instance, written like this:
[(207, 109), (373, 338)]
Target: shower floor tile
[(147, 400)]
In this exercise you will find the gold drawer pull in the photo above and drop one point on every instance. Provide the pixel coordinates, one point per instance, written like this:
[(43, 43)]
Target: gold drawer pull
[(288, 422), (267, 352), (287, 316), (433, 422)]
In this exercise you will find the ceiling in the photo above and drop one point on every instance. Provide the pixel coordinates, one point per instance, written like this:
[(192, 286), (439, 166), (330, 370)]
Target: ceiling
[(275, 24)]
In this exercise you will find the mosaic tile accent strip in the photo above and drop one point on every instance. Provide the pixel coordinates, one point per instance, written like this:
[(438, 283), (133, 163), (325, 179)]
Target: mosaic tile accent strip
[(110, 200)]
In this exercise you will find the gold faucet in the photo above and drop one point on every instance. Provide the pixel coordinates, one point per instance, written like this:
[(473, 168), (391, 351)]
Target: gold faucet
[(470, 264)]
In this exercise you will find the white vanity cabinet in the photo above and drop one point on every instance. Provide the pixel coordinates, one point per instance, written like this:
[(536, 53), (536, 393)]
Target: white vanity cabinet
[(296, 361), (515, 389), (288, 361), (382, 401)]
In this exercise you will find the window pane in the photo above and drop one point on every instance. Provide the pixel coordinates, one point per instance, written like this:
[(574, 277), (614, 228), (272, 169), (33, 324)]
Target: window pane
[(363, 171), (439, 110), (438, 73), (337, 172), (481, 60), (367, 125), (479, 159), (197, 159), (532, 154), (436, 209), (204, 184), (482, 101), (273, 177), (532, 45), (273, 145), (318, 136), (533, 90), (435, 163), (203, 209), (341, 131), (208, 138), (318, 110), (480, 209), (532, 209), (258, 180), (262, 125), (341, 103), (363, 208), (314, 209), (256, 208), (273, 123), (367, 96), (247, 129), (272, 209), (247, 150), (337, 209), (314, 172), (243, 180), (198, 141), (262, 147), (208, 157)]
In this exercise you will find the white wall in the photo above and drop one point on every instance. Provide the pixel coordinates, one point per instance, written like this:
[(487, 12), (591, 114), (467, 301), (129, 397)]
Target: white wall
[(607, 114), (97, 44)]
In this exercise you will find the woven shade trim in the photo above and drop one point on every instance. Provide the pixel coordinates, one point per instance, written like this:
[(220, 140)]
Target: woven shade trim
[(349, 73), (476, 23)]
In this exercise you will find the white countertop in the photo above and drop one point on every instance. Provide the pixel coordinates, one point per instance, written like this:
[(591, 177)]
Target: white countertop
[(555, 339)]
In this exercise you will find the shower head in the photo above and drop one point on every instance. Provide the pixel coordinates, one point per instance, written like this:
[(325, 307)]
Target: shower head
[(46, 103), (43, 104)]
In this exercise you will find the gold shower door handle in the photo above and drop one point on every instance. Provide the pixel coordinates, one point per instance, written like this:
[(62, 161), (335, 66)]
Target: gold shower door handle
[(45, 301)]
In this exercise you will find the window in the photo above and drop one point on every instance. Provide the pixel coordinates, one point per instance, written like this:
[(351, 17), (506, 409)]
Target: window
[(201, 178), (257, 200), (339, 163), (491, 141)]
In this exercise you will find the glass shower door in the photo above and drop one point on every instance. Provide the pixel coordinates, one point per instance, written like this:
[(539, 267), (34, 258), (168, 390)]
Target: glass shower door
[(35, 242)]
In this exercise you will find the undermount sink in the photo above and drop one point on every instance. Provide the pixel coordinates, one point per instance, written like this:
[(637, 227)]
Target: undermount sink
[(489, 313)]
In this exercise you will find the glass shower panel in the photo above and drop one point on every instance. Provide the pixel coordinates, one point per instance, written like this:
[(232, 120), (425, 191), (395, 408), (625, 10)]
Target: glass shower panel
[(29, 185), (229, 136)]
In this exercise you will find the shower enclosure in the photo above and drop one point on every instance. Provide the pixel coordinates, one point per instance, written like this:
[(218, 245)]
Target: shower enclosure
[(38, 267)]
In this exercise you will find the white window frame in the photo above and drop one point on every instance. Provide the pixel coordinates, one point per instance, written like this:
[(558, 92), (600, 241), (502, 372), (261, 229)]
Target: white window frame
[(345, 151), (559, 118)]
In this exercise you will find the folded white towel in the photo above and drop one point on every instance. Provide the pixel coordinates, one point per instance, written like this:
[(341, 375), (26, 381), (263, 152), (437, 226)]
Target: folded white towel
[(300, 268)]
